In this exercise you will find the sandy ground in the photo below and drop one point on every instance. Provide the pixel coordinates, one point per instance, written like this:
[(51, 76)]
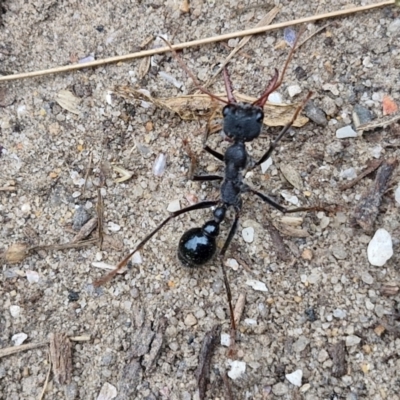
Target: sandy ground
[(327, 316)]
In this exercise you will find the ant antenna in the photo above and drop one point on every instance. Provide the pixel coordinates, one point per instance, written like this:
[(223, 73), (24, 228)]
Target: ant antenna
[(228, 86), (276, 82), (194, 79)]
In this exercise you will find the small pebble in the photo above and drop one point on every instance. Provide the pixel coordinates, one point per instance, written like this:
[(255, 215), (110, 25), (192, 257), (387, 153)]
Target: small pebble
[(266, 164), (376, 151), (32, 276), (19, 338), (352, 340), (232, 263), (315, 114), (257, 285), (225, 339), (15, 311), (280, 389), (81, 216), (380, 248), (290, 198), (159, 165), (238, 368), (26, 208), (397, 195), (346, 132), (190, 320), (339, 252), (349, 173), (329, 106), (361, 115), (300, 344), (250, 322), (307, 255), (248, 234), (339, 314), (174, 205), (113, 227), (295, 377), (394, 26), (107, 392), (275, 97), (294, 90), (367, 278), (323, 355), (331, 88)]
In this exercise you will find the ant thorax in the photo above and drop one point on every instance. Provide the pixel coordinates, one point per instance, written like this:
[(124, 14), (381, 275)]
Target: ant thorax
[(242, 121)]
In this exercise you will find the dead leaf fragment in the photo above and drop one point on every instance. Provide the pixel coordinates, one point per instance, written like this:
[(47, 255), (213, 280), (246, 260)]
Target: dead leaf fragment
[(68, 101), (292, 175), (126, 175), (199, 106)]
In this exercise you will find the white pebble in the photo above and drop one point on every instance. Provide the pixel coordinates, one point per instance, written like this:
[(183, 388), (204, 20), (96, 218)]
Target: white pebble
[(26, 208), (290, 198), (136, 258), (232, 263), (349, 173), (225, 339), (250, 322), (294, 90), (397, 195), (15, 311), (339, 314), (275, 97), (332, 88), (346, 132), (238, 368), (352, 340), (19, 338), (159, 164), (380, 248), (295, 377), (32, 276), (248, 234), (266, 164), (107, 392), (257, 285), (174, 205), (376, 151), (113, 227)]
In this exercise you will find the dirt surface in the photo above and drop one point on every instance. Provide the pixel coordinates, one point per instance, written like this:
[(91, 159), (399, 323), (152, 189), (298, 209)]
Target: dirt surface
[(324, 312)]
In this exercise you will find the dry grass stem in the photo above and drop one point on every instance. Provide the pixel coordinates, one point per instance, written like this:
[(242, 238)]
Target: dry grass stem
[(198, 42)]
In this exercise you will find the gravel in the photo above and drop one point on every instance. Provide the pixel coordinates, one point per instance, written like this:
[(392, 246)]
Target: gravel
[(46, 152)]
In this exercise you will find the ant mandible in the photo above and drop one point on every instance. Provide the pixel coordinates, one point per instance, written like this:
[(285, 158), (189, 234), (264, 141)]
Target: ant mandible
[(242, 122)]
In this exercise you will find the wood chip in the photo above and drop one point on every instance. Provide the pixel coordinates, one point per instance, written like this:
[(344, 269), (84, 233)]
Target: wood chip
[(61, 359), (367, 208), (338, 355), (86, 230), (202, 373)]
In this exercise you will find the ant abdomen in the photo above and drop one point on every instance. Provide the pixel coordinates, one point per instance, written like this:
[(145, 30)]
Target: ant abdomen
[(197, 246)]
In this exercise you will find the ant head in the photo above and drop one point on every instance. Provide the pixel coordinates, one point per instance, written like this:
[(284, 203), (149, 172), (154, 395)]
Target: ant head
[(242, 121)]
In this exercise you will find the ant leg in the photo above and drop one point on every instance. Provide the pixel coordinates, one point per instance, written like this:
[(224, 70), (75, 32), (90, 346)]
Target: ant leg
[(276, 205), (198, 206), (213, 152), (202, 178), (231, 234), (283, 132)]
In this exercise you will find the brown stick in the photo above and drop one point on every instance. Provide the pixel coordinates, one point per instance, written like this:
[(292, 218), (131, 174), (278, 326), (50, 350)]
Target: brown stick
[(198, 42)]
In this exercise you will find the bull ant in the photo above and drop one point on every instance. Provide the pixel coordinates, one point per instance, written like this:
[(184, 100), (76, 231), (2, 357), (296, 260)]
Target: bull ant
[(242, 123)]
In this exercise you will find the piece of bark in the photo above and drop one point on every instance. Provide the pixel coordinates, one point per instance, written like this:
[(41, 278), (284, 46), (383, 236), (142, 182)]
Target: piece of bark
[(338, 355), (207, 349), (368, 207), (61, 359), (150, 359), (129, 380)]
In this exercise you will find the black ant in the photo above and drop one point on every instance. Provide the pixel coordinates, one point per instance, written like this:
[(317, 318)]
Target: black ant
[(242, 122)]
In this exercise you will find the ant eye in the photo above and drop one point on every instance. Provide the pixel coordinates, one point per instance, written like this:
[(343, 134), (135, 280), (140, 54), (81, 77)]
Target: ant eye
[(259, 117), (225, 111)]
